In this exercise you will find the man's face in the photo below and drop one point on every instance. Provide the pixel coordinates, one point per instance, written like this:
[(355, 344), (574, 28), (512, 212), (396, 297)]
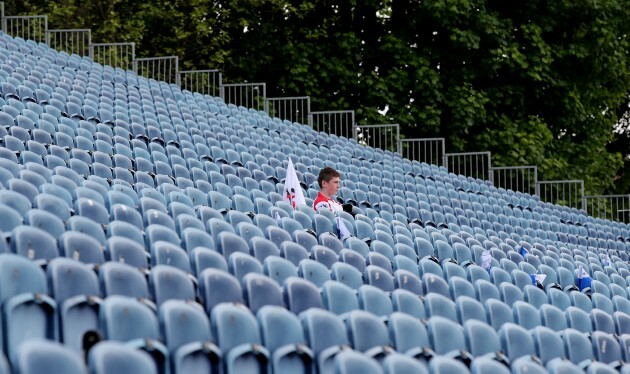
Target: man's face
[(330, 188)]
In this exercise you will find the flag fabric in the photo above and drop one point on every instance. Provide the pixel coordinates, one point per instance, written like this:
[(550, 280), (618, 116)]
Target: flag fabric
[(606, 261), (538, 278), (278, 219), (486, 260), (293, 193), (583, 279), (342, 230), (521, 250)]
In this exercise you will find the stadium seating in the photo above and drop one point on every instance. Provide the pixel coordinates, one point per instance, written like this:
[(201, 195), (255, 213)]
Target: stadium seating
[(150, 217)]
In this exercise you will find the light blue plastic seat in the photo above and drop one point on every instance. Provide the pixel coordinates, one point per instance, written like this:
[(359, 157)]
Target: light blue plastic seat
[(300, 295), (27, 310), (237, 333), (168, 282), (129, 320), (260, 290), (516, 341), (75, 287), (325, 335), (111, 356), (38, 356), (187, 333), (283, 336), (33, 243)]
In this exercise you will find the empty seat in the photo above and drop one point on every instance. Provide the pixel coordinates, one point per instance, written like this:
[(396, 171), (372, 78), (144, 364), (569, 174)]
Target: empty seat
[(237, 334), (325, 335), (367, 333), (114, 357), (75, 287), (300, 295), (577, 345), (28, 313), (91, 209), (314, 272), (127, 251), (129, 320), (93, 229), (81, 247), (516, 341), (438, 305), (379, 277), (444, 364), (445, 335), (186, 330), (605, 347), (218, 286), (45, 221), (168, 282), (348, 362), (548, 344), (283, 336), (407, 334), (122, 279), (260, 290), (165, 253), (339, 298), (481, 338), (397, 363), (40, 356), (33, 243), (346, 274)]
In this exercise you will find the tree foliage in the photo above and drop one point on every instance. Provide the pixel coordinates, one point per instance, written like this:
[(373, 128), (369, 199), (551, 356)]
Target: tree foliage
[(534, 82)]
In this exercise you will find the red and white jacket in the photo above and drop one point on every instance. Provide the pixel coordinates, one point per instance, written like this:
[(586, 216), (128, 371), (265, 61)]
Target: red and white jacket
[(324, 202)]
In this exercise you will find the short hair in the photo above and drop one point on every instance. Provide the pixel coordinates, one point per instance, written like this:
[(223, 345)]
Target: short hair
[(326, 174)]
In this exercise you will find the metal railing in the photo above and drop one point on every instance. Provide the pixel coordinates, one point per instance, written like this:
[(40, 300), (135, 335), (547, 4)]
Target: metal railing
[(118, 55), (517, 178), (26, 27), (158, 68), (71, 41), (384, 137), (562, 192), (429, 150), (294, 109), (206, 82), (612, 207), (249, 95), (473, 164), (337, 122)]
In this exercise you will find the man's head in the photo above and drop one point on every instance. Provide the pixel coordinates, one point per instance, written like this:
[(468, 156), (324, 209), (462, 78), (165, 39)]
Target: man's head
[(329, 181)]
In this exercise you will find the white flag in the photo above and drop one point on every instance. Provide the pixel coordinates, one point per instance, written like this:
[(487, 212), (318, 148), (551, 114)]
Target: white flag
[(486, 260), (540, 278), (584, 280), (606, 261), (582, 273), (341, 227), (292, 190)]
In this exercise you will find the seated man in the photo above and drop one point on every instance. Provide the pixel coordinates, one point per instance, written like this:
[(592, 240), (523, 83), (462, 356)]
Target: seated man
[(329, 181)]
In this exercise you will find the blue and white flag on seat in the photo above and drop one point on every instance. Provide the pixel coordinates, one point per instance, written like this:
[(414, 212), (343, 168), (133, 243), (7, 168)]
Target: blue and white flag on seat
[(583, 279), (293, 193), (606, 261), (521, 250), (278, 219), (486, 260), (538, 278), (342, 230)]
